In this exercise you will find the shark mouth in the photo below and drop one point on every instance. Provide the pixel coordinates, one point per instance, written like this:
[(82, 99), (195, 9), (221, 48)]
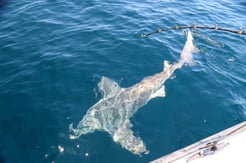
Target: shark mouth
[(118, 105)]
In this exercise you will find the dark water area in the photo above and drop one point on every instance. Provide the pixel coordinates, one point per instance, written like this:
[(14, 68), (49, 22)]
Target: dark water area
[(243, 2), (53, 54), (2, 3)]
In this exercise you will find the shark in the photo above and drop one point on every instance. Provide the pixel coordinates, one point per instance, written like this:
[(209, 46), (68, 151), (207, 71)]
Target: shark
[(113, 111)]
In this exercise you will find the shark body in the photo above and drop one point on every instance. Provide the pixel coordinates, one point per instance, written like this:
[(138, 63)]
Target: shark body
[(118, 105)]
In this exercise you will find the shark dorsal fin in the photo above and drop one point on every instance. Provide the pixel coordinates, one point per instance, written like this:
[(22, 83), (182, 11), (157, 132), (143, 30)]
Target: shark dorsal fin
[(108, 87)]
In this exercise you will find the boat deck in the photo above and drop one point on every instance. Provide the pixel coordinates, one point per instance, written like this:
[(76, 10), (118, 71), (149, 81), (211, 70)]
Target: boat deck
[(226, 146)]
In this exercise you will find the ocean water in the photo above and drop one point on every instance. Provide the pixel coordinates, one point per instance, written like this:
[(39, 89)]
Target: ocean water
[(53, 54)]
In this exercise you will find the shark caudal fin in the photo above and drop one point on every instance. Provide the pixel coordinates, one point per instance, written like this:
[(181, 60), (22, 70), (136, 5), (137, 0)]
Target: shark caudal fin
[(185, 57), (189, 48)]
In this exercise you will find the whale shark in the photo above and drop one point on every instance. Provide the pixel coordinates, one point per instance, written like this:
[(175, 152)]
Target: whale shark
[(112, 113)]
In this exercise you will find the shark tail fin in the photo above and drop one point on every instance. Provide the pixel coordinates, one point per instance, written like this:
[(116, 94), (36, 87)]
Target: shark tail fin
[(189, 48)]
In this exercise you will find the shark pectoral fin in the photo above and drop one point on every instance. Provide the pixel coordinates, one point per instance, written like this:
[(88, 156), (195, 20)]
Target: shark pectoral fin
[(124, 136), (108, 87), (159, 93)]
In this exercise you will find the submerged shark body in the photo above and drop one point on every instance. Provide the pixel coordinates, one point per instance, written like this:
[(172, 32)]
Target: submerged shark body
[(118, 105)]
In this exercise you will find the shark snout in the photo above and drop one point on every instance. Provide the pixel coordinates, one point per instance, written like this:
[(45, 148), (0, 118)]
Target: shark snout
[(76, 133)]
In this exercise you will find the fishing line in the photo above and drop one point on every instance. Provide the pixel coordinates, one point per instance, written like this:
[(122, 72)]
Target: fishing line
[(159, 30)]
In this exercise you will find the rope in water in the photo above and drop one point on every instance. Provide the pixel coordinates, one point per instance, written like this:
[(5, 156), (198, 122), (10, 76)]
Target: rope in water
[(159, 30)]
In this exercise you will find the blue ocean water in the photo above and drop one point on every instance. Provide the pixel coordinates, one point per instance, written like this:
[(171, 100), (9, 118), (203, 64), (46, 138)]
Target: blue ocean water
[(53, 54)]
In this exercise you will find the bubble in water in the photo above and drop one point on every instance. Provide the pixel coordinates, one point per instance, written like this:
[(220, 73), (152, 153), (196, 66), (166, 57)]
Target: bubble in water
[(61, 149), (86, 154)]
